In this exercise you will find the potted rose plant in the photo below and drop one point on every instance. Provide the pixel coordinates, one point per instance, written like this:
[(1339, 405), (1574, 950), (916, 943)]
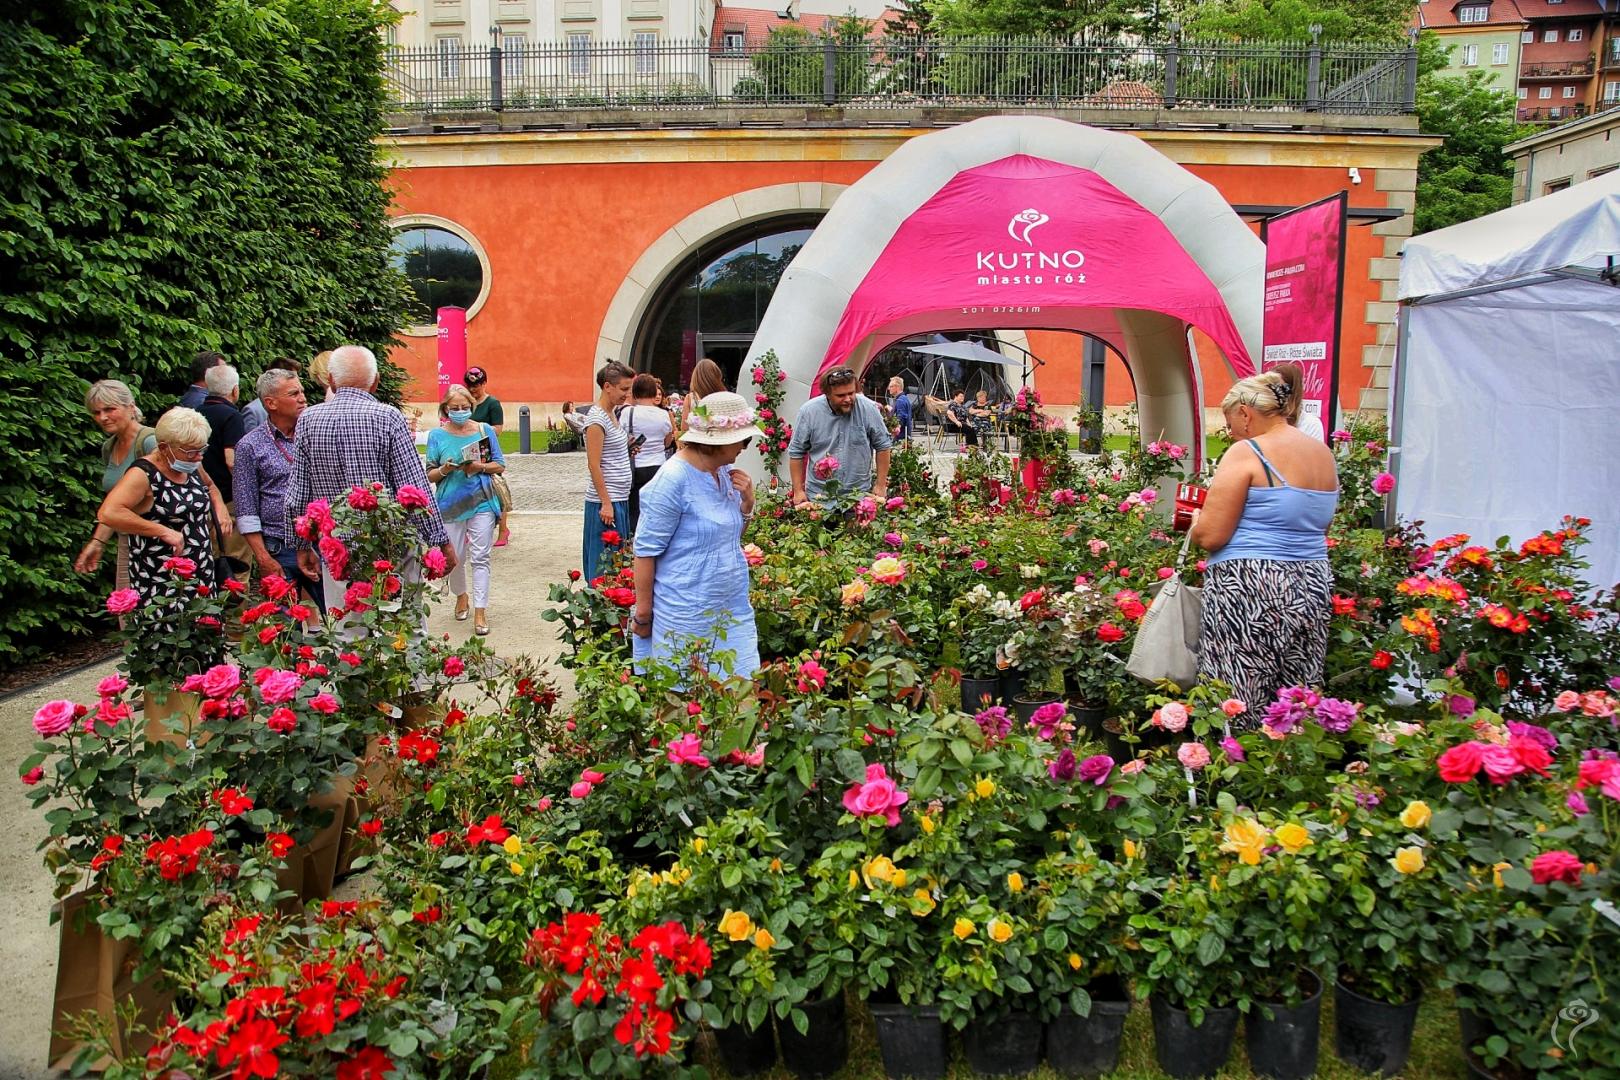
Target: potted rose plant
[(982, 622)]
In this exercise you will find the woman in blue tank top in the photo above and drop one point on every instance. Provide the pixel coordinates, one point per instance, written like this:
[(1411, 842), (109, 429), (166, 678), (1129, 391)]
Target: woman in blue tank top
[(1267, 585)]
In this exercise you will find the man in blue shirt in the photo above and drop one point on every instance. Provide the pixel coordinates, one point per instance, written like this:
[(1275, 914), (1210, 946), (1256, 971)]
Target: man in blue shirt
[(840, 424), (264, 459), (900, 403), (195, 394)]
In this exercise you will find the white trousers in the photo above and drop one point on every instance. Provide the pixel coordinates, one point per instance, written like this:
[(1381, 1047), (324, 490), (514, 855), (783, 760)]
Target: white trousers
[(473, 541)]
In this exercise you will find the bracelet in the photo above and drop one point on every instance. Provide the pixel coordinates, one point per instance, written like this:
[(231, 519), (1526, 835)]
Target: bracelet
[(98, 540), (637, 620)]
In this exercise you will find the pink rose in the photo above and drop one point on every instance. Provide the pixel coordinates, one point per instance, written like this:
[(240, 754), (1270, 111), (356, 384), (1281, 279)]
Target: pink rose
[(755, 757), (878, 796), (112, 686), (895, 503), (33, 776), (826, 467), (280, 686), (192, 684), (1383, 483), (687, 750), (453, 666), (811, 675), (53, 718), (592, 776), (1193, 755), (1501, 765), (362, 498), (324, 703), (1233, 748), (336, 556), (221, 681), (1577, 804), (435, 563), (123, 601), (1567, 701), (580, 789), (412, 497), (1233, 707), (180, 566), (1173, 717), (1096, 769)]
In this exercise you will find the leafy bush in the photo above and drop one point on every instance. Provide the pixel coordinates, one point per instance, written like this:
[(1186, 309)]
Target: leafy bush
[(178, 176)]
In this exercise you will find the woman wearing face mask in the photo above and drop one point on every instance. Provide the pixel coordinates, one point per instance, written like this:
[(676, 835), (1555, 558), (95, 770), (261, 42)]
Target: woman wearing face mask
[(691, 575), (167, 507), (462, 456)]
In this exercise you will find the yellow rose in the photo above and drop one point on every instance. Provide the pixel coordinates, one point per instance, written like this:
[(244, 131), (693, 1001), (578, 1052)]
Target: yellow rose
[(899, 879), (1075, 962), (926, 822), (1000, 932), (984, 789), (922, 902), (736, 925), (1130, 849), (1247, 839), (878, 869), (699, 844), (854, 880), (776, 866), (963, 929), (1408, 860), (763, 939), (854, 592), (512, 845), (1416, 815), (1015, 882), (1293, 838), (1496, 873), (516, 868)]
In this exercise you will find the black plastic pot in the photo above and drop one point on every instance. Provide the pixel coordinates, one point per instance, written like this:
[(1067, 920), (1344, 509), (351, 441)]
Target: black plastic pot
[(1089, 720), (1012, 684), (824, 1046), (1284, 1046), (1374, 1036), (974, 691), (911, 1039), (1025, 706), (744, 1052), (1185, 1051), (1007, 1045), (1089, 1045)]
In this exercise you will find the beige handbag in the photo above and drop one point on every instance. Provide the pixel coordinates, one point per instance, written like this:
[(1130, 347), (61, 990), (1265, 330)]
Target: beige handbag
[(1166, 646)]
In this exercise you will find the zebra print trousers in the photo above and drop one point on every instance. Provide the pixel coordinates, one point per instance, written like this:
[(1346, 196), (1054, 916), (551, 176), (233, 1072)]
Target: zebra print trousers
[(1264, 627)]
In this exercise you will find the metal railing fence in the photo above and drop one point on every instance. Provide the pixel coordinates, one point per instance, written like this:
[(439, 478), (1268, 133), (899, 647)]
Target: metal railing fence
[(900, 72)]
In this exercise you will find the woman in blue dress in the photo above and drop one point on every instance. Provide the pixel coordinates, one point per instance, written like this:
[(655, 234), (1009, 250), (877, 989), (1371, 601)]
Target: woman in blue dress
[(691, 575)]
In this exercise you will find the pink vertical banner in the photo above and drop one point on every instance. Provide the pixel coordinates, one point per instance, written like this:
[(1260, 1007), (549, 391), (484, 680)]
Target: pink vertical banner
[(1305, 297), (452, 347)]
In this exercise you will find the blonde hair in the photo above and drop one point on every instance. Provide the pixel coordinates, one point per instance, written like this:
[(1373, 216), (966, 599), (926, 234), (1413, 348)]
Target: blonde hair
[(455, 388), (319, 369), (111, 392), (707, 378), (182, 427), (1268, 393), (1294, 375)]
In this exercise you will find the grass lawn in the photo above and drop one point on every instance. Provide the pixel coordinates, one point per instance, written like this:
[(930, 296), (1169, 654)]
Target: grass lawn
[(1436, 1051)]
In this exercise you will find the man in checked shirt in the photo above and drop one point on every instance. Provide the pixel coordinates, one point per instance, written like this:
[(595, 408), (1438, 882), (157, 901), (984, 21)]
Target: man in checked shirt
[(348, 441)]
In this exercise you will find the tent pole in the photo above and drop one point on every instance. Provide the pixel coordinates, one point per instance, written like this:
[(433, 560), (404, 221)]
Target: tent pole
[(1397, 391)]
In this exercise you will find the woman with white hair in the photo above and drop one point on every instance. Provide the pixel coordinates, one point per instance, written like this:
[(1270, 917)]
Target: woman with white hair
[(167, 507), (463, 457), (113, 408)]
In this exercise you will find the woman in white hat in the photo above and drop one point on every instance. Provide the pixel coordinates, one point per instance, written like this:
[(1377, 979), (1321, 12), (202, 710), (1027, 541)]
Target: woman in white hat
[(691, 576)]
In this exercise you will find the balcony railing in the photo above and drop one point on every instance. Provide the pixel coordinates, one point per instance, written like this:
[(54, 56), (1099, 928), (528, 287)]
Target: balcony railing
[(908, 72), (1557, 69), (1552, 114)]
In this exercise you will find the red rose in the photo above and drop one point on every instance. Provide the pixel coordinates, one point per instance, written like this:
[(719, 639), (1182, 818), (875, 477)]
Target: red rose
[(439, 839), (370, 827), (1110, 633), (454, 666), (1556, 866), (280, 843), (1381, 660), (611, 537), (1462, 762)]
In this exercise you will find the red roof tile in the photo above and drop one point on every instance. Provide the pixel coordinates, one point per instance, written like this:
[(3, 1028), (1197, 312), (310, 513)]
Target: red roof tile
[(1442, 15), (1569, 9), (756, 24)]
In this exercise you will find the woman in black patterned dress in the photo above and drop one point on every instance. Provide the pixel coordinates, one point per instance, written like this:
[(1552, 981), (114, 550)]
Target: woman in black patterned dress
[(168, 508)]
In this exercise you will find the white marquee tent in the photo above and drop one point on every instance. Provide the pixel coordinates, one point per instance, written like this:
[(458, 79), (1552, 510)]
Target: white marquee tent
[(1507, 395)]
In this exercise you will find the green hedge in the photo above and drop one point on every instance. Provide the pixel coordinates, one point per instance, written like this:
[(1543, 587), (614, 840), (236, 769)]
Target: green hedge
[(174, 175)]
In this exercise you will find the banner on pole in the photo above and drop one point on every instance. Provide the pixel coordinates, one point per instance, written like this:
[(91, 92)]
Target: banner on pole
[(1305, 298), (452, 347)]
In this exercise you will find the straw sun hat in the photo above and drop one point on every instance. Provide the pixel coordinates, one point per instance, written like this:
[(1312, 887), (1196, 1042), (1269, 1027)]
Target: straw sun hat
[(721, 419)]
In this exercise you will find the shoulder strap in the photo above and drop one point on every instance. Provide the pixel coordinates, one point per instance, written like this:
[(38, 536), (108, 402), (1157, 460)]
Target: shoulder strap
[(146, 467), (1271, 477)]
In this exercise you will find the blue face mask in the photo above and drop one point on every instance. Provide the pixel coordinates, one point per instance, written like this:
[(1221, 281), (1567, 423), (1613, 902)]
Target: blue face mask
[(459, 416), (181, 465)]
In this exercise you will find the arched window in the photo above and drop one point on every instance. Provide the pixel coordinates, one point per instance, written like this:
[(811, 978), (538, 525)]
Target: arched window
[(444, 266)]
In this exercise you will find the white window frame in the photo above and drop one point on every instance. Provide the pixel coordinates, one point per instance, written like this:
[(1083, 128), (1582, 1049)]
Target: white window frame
[(1527, 38), (1575, 34), (1470, 56), (1544, 93), (1524, 92), (513, 56), (646, 52), (1499, 53), (449, 48), (1569, 91), (1474, 13), (733, 42), (1549, 37), (579, 54), (1611, 91)]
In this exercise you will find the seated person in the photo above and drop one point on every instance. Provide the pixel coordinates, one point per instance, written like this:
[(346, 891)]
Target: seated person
[(958, 418)]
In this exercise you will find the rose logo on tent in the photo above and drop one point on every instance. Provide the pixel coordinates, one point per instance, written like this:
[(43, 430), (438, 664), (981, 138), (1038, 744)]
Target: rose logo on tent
[(1023, 223)]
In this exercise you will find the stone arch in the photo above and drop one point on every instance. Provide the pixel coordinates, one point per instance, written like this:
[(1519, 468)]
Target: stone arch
[(635, 294), (1156, 251)]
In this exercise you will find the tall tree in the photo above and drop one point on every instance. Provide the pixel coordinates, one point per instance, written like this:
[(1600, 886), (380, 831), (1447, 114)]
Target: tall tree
[(1468, 175), (174, 175), (1048, 18), (1291, 20)]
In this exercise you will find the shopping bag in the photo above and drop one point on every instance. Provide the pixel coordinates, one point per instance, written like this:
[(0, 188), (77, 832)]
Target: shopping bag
[(1166, 646), (93, 975)]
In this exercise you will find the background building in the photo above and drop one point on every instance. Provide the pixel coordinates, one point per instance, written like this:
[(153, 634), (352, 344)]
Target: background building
[(1478, 35), (1568, 154)]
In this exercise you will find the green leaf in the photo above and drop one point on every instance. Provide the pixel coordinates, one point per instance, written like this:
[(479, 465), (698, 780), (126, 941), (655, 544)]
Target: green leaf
[(731, 876), (1210, 948), (851, 765), (962, 752)]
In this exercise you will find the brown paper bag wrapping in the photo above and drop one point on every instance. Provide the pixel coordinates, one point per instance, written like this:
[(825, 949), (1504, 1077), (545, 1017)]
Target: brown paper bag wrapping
[(184, 707), (93, 975)]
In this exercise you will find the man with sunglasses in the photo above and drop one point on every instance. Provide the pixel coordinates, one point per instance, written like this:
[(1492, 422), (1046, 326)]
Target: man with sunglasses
[(843, 424)]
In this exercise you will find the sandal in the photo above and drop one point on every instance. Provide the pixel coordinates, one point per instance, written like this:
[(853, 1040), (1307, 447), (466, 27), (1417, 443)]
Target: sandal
[(480, 627), (463, 609)]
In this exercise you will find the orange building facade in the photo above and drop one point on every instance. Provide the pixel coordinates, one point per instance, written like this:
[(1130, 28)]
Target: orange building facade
[(580, 232)]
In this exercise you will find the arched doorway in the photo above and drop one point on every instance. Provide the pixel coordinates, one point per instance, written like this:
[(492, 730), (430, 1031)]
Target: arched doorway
[(711, 303)]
